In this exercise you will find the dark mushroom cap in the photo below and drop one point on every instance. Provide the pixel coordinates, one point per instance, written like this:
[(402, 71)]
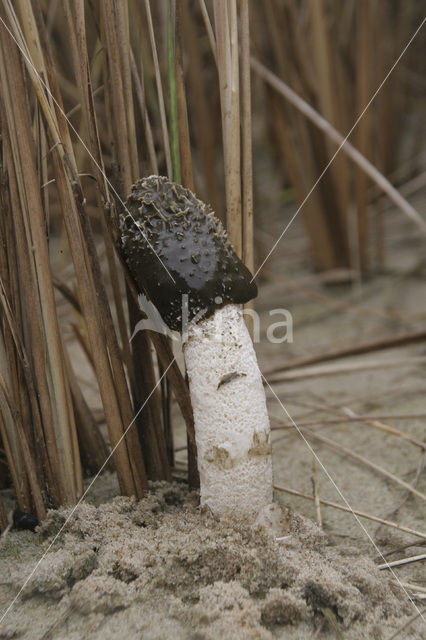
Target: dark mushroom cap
[(173, 244)]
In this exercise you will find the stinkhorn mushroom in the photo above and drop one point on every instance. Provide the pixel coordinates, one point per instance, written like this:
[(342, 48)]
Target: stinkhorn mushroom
[(176, 249)]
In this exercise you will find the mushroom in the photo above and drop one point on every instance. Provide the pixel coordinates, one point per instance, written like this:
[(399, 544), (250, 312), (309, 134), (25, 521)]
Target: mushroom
[(178, 251)]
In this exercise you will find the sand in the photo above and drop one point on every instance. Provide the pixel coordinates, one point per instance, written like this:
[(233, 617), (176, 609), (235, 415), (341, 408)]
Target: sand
[(164, 568)]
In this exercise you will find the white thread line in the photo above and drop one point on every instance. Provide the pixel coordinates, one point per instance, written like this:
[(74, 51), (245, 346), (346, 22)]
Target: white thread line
[(111, 186), (345, 500), (340, 146), (82, 498)]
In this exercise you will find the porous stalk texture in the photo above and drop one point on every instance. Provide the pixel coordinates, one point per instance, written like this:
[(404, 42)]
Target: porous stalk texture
[(231, 420)]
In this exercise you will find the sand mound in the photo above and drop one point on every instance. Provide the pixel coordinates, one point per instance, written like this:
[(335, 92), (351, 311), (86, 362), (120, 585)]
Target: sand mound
[(163, 568)]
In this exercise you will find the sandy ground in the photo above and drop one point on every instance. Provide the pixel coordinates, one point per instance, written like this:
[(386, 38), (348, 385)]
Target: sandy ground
[(162, 568)]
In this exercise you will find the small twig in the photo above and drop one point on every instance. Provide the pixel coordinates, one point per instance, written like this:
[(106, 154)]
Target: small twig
[(360, 514), (399, 563)]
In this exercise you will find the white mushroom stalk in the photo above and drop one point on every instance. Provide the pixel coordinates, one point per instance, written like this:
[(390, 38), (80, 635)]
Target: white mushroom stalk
[(178, 252), (231, 420)]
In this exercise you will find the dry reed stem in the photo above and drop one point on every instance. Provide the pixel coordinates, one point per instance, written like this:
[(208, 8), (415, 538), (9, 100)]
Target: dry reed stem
[(164, 128), (187, 177), (22, 148), (209, 29), (364, 128), (203, 118), (169, 364), (226, 26), (114, 393), (328, 99), (30, 466), (149, 422), (402, 562), (246, 152), (140, 94)]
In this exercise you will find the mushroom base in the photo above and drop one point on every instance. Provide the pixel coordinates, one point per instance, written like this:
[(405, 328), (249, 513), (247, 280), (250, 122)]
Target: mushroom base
[(231, 420)]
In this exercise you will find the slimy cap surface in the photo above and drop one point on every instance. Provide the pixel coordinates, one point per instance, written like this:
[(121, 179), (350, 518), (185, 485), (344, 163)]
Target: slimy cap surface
[(173, 245)]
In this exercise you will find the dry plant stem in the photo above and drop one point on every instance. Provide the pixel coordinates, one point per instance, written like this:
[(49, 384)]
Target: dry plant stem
[(140, 94), (93, 448), (248, 245), (365, 461), (13, 450), (9, 361), (26, 453), (402, 562), (187, 178), (114, 392), (44, 446), (3, 516), (116, 22), (164, 128), (301, 146), (177, 381), (302, 177), (323, 61), (377, 345), (225, 14), (202, 115), (174, 375), (76, 23), (149, 423), (22, 148), (338, 139), (360, 514), (315, 492), (209, 28), (246, 143), (117, 78), (363, 137)]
